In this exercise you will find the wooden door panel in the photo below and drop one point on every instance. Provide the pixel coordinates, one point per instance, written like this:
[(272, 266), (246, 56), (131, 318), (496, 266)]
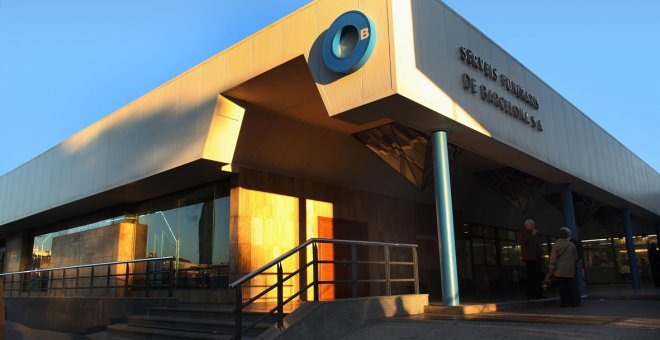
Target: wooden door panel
[(342, 230)]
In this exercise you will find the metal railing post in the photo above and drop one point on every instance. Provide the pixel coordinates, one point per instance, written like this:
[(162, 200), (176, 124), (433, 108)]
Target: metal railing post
[(75, 289), (388, 282), (91, 282), (50, 281), (126, 281), (354, 270), (238, 313), (146, 280), (280, 296), (315, 270), (107, 281), (41, 283), (415, 273), (34, 282), (170, 274), (29, 284), (63, 282)]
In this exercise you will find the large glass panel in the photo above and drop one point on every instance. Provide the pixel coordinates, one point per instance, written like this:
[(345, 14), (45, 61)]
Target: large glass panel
[(490, 251), (478, 251), (489, 232), (599, 261), (162, 232), (193, 227), (221, 235), (65, 252)]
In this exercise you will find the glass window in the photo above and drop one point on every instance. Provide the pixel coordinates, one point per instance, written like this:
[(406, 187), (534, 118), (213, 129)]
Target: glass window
[(221, 231), (490, 251), (66, 252), (478, 251), (484, 247), (509, 248), (489, 232), (192, 226)]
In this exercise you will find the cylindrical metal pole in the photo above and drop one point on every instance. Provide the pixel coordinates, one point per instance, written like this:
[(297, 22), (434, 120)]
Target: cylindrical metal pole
[(569, 216), (415, 270), (91, 282), (126, 281), (315, 270), (630, 245), (280, 296), (238, 313), (388, 282), (170, 278), (445, 218), (354, 271)]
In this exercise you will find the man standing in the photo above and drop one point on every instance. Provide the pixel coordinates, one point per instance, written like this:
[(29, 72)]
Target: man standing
[(531, 254)]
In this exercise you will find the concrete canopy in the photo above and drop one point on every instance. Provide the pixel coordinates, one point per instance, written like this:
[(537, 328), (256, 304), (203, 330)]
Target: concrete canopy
[(414, 76)]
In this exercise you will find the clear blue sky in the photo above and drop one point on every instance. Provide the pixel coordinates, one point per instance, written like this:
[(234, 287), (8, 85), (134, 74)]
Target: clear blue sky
[(65, 64)]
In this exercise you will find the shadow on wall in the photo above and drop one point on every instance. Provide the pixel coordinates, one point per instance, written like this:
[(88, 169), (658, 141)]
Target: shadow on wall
[(151, 134)]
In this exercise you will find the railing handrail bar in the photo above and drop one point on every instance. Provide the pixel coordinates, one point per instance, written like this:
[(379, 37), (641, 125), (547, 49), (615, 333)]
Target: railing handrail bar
[(304, 245), (91, 265)]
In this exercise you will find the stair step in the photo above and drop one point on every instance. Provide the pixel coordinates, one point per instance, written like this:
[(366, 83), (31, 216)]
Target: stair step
[(191, 324), (124, 331), (208, 312), (103, 335)]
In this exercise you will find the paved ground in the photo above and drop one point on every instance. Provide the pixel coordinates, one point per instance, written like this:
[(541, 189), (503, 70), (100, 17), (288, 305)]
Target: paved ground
[(16, 331), (595, 319), (454, 329), (611, 312)]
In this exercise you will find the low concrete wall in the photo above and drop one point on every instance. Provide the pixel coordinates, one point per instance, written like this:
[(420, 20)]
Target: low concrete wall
[(77, 314), (334, 319)]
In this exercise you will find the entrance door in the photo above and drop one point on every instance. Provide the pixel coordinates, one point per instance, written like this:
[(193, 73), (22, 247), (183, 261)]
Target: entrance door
[(341, 230)]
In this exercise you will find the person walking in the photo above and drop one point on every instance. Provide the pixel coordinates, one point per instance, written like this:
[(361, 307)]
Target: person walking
[(562, 265), (531, 253)]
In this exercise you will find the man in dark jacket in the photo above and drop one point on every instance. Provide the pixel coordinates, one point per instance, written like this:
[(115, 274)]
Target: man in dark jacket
[(531, 254)]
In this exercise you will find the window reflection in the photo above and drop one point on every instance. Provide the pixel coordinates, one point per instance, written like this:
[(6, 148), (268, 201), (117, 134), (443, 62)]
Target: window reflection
[(191, 226)]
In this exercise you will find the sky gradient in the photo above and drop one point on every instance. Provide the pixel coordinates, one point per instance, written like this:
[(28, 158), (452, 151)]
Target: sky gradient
[(66, 64)]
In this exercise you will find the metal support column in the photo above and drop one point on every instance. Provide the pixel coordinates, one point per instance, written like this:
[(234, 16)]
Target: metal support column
[(445, 218), (630, 245), (569, 215)]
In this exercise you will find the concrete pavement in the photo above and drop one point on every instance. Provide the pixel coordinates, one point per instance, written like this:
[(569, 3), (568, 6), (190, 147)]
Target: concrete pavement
[(456, 329), (624, 315)]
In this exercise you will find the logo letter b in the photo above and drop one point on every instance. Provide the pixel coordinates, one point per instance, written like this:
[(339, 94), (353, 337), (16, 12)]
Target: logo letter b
[(364, 33)]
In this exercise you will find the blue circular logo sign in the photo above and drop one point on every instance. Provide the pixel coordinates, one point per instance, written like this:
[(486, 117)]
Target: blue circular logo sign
[(348, 42)]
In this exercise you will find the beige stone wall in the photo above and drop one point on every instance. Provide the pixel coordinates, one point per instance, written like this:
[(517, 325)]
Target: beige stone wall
[(266, 226)]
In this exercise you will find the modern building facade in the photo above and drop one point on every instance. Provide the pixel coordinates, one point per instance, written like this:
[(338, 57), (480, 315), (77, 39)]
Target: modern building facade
[(393, 121)]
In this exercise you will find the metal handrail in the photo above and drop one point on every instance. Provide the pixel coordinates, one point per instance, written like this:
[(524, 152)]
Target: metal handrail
[(153, 277), (307, 243), (91, 265), (278, 310)]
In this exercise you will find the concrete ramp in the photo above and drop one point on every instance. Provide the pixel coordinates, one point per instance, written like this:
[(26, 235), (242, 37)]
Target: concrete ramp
[(334, 319)]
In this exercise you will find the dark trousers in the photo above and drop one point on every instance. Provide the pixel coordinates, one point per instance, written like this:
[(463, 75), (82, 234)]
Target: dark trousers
[(534, 277), (567, 291)]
